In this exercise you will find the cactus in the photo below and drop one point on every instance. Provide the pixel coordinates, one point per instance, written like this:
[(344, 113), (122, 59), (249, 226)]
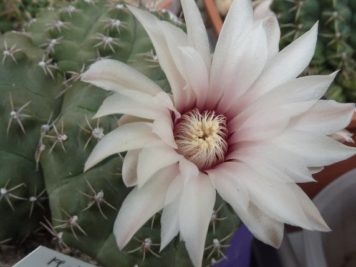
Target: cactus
[(25, 107), (48, 133), (336, 42), (14, 13)]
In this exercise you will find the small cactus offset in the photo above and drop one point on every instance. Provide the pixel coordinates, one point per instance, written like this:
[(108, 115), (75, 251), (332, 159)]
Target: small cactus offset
[(48, 133), (336, 42)]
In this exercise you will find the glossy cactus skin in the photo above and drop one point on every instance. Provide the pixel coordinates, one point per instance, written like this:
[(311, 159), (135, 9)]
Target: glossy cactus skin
[(60, 135), (336, 42)]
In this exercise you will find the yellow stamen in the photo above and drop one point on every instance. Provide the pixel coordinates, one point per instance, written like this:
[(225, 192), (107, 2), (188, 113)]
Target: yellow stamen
[(201, 137)]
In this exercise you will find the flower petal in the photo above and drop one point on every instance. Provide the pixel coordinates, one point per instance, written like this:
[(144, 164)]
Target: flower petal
[(273, 158), (158, 35), (273, 34), (196, 30), (125, 119), (343, 136), (196, 208), (196, 73), (282, 201), (262, 9), (141, 204), (169, 222), (262, 226), (275, 109), (163, 127), (174, 189), (325, 117), (237, 23), (121, 104), (242, 68), (116, 76), (270, 23), (288, 63), (129, 168), (228, 187), (127, 137), (317, 150), (153, 159), (187, 169)]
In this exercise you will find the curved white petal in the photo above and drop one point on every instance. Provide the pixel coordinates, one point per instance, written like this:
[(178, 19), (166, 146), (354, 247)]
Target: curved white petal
[(196, 30), (317, 150), (195, 210), (243, 67), (343, 136), (228, 185), (276, 172), (273, 111), (127, 137), (237, 23), (125, 119), (273, 33), (187, 169), (163, 127), (263, 13), (169, 222), (262, 9), (262, 226), (309, 209), (325, 117), (116, 76), (314, 170), (196, 74), (164, 99), (121, 104), (288, 63), (275, 158), (236, 27), (282, 201), (141, 204), (175, 39), (174, 189), (158, 35), (153, 159), (129, 168)]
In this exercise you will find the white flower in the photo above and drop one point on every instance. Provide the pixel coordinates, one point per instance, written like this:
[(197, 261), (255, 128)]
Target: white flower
[(240, 123)]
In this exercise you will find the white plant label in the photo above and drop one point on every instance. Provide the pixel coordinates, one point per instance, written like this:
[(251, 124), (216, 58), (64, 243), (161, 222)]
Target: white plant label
[(45, 257)]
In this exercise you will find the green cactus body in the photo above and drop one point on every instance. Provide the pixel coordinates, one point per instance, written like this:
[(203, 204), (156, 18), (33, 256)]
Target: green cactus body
[(14, 13), (26, 105), (53, 52), (337, 39)]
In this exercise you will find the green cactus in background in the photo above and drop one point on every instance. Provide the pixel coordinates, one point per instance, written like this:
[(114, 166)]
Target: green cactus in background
[(15, 13), (47, 135), (336, 43)]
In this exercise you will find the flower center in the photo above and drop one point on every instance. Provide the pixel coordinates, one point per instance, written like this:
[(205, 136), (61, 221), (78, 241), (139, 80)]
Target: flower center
[(201, 137)]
